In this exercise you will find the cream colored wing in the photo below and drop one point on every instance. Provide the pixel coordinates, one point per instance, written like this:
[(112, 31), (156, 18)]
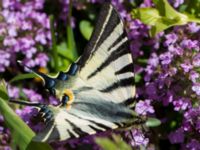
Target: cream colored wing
[(106, 63)]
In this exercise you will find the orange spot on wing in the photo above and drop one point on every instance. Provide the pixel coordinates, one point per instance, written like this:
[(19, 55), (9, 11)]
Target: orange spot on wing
[(70, 94), (68, 107)]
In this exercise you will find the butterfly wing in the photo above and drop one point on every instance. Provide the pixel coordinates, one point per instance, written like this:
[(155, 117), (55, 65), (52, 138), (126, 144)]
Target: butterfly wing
[(102, 86), (107, 62), (87, 116)]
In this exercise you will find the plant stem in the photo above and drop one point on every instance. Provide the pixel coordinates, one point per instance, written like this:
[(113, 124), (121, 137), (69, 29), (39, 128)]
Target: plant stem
[(54, 47)]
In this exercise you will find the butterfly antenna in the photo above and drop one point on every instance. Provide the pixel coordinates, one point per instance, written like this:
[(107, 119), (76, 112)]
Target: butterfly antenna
[(26, 103), (32, 70), (48, 82)]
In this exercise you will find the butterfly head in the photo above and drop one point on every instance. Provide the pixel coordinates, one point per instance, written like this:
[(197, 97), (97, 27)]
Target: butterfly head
[(67, 98), (58, 87)]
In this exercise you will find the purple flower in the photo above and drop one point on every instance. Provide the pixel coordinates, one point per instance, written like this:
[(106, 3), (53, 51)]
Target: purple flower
[(9, 41), (190, 44), (196, 88), (181, 104), (193, 144), (196, 60), (191, 120), (153, 60), (193, 27), (176, 50), (139, 138), (26, 113), (170, 39), (53, 100), (30, 52), (177, 3), (41, 59), (193, 76), (24, 28), (13, 92), (146, 3), (177, 136), (151, 90), (198, 125), (144, 107), (32, 95), (29, 63), (168, 98), (186, 66), (4, 60), (7, 3), (187, 126), (26, 42), (166, 58), (40, 37)]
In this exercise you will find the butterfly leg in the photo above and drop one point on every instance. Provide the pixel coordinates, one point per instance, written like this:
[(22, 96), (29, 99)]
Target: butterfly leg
[(46, 114)]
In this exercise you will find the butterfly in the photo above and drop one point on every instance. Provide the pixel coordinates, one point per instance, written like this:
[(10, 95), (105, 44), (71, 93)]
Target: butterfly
[(96, 91)]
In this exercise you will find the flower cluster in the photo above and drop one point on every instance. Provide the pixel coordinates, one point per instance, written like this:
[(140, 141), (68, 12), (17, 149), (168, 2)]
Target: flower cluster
[(172, 76), (24, 29), (5, 136), (25, 34)]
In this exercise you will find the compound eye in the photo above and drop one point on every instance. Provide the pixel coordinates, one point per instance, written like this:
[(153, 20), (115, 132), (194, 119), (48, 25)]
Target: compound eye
[(65, 99)]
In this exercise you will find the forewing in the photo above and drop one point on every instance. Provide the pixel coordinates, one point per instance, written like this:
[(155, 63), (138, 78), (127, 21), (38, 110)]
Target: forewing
[(106, 64)]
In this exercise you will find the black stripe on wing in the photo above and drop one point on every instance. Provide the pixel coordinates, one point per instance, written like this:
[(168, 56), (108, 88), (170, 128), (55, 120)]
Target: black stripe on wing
[(95, 35), (121, 83), (76, 129), (97, 39), (71, 134), (50, 133), (118, 40), (119, 52), (100, 125), (125, 69), (113, 21), (128, 101), (95, 129)]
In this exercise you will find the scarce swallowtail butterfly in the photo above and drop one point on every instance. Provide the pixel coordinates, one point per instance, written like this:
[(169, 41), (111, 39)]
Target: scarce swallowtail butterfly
[(96, 91)]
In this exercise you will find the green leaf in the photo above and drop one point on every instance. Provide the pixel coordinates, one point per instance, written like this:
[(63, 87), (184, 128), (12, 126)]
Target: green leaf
[(38, 146), (3, 90), (165, 9), (162, 24), (65, 52), (146, 15), (153, 122), (86, 29), (71, 43), (21, 133), (106, 143), (162, 17), (115, 144), (67, 56), (23, 77), (137, 78)]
